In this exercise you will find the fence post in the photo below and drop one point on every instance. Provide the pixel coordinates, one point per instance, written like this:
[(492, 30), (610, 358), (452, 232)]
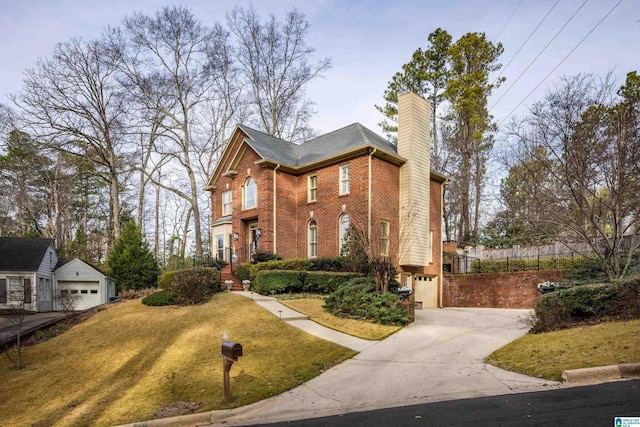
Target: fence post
[(538, 259), (507, 264)]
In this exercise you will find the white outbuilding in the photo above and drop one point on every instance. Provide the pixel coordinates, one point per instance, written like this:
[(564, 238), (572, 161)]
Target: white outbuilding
[(90, 286)]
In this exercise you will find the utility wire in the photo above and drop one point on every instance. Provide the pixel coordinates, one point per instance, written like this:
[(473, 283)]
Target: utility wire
[(563, 59), (509, 19), (525, 42), (538, 56)]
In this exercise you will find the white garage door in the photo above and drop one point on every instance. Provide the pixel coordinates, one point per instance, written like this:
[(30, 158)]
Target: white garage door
[(86, 294)]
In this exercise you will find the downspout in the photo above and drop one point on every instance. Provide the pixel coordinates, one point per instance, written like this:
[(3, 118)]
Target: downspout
[(369, 198), (275, 226), (441, 284)]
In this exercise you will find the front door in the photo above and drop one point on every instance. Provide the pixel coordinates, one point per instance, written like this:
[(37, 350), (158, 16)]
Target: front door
[(252, 243)]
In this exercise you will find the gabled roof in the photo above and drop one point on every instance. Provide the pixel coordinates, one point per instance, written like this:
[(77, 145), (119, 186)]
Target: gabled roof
[(343, 143), (22, 254), (65, 263), (315, 150)]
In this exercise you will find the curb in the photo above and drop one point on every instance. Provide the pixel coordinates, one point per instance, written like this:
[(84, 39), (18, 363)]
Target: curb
[(602, 373)]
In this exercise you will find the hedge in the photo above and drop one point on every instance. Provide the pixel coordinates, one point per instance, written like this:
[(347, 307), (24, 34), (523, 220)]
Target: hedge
[(596, 302), (296, 264), (521, 264), (285, 281)]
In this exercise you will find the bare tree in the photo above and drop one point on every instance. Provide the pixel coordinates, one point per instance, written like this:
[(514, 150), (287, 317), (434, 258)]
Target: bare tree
[(73, 103), (177, 68), (274, 60), (18, 297), (587, 142)]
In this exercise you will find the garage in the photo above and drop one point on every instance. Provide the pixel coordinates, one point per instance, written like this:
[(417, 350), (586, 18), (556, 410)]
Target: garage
[(85, 294), (89, 286)]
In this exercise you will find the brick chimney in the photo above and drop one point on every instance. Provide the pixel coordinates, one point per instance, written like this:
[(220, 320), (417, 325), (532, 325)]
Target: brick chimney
[(414, 140)]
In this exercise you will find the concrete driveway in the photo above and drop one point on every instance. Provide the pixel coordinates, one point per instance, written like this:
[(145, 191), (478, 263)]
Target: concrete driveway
[(438, 357)]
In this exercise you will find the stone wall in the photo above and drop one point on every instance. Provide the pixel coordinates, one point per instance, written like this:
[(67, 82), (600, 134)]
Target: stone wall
[(495, 290)]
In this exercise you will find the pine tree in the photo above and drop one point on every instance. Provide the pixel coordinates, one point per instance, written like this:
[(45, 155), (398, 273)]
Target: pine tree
[(131, 262)]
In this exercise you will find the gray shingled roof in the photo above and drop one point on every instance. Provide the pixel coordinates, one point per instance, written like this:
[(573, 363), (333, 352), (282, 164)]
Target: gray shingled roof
[(22, 254), (326, 146)]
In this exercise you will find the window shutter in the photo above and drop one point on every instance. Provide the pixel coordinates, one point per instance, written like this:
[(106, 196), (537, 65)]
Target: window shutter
[(27, 291), (3, 291)]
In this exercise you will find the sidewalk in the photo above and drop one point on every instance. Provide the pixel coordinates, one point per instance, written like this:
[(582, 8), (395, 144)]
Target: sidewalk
[(301, 321)]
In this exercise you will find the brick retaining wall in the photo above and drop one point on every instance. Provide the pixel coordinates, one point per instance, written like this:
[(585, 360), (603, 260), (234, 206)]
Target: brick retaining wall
[(495, 290)]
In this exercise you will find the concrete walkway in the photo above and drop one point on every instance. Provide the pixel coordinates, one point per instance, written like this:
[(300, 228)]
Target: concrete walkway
[(301, 321)]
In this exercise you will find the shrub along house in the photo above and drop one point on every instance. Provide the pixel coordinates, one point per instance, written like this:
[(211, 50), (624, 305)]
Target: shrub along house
[(270, 195), (31, 275)]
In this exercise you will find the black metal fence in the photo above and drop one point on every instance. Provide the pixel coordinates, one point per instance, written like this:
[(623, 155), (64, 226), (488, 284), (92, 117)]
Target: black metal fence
[(464, 264)]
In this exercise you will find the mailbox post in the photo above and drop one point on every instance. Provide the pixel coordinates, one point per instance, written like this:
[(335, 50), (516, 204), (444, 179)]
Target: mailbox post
[(230, 353)]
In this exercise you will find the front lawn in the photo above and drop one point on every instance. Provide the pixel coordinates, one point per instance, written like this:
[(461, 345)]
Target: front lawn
[(127, 363), (547, 355), (312, 307)]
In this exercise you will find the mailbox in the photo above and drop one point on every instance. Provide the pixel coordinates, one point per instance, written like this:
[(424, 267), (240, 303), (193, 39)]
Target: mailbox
[(232, 350)]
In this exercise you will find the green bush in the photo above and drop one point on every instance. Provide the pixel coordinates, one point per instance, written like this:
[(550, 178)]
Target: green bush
[(242, 271), (521, 264), (358, 299), (265, 257), (196, 285), (278, 281), (297, 264), (329, 264), (595, 302), (165, 279), (292, 281), (159, 298), (325, 282)]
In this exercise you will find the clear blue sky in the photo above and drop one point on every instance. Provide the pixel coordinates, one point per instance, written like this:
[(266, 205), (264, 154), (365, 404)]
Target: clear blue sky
[(368, 41)]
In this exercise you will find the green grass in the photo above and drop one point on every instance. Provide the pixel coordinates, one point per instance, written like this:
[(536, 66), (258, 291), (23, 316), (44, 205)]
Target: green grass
[(547, 355), (130, 361), (312, 307)]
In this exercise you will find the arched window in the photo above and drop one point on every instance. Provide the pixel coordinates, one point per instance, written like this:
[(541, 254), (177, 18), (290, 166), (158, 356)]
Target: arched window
[(312, 238), (249, 194), (344, 228)]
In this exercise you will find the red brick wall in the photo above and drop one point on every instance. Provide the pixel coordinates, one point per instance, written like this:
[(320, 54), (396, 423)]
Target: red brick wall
[(294, 211), (495, 290)]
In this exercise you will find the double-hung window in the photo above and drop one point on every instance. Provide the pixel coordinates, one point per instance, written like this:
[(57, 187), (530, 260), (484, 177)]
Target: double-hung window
[(313, 188), (344, 234), (249, 194), (227, 203), (313, 239), (384, 238), (344, 179)]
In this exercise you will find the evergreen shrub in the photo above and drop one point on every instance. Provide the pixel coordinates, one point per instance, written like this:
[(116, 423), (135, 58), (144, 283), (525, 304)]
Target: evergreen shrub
[(592, 303), (329, 264), (159, 298), (297, 264), (358, 299), (165, 279), (292, 281), (242, 271)]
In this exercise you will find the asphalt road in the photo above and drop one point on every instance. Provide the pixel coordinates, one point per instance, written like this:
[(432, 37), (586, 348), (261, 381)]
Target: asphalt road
[(586, 406)]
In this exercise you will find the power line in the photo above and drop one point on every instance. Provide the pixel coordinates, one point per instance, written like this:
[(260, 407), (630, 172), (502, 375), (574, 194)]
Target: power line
[(540, 53), (526, 41), (561, 61), (509, 19)]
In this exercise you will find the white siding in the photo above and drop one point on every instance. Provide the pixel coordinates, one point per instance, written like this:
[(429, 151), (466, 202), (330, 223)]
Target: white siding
[(414, 118)]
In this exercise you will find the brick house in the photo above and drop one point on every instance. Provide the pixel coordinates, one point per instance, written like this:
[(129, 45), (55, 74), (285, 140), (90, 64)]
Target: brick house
[(297, 201)]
